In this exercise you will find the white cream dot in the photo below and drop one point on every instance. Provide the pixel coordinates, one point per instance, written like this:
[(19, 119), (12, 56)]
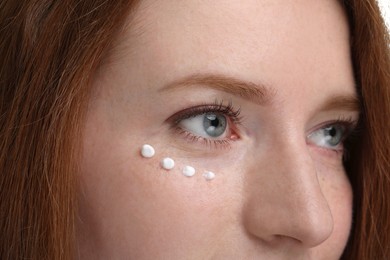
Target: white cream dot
[(209, 175), (168, 163), (147, 151), (188, 171)]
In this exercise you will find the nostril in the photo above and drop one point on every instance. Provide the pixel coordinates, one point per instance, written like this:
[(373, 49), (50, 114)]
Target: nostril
[(283, 241), (276, 240)]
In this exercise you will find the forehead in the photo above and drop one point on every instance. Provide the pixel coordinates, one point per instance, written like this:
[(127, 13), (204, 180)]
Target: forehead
[(305, 41)]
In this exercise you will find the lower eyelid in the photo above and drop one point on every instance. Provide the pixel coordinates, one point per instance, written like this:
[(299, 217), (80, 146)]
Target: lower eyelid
[(209, 143), (222, 143), (332, 153)]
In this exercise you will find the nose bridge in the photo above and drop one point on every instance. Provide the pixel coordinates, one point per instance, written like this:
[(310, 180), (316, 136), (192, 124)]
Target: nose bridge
[(284, 196)]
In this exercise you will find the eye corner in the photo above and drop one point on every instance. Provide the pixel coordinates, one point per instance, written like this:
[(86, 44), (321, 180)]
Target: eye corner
[(335, 153)]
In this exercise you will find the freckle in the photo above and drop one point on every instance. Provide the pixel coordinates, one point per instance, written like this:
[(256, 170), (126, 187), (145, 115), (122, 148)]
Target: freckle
[(168, 163), (188, 171), (147, 151), (209, 175)]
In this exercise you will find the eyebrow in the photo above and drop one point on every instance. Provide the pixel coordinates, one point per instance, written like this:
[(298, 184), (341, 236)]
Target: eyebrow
[(342, 102), (256, 93)]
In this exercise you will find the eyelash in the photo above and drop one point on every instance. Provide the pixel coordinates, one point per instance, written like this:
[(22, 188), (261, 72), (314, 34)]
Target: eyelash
[(231, 113)]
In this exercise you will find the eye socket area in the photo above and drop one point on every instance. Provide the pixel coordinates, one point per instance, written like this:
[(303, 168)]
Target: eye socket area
[(219, 124), (209, 125), (331, 136)]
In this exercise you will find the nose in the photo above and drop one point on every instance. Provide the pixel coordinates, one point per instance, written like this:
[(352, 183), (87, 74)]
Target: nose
[(284, 200)]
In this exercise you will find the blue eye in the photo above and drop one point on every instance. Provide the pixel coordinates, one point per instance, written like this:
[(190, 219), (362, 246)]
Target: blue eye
[(207, 125), (214, 125), (329, 137)]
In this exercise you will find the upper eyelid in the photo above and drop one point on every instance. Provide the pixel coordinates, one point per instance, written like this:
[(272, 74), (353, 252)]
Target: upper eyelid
[(349, 122), (218, 107), (350, 128)]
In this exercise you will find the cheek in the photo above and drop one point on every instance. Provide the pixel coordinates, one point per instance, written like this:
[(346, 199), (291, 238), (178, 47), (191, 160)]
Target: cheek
[(130, 204)]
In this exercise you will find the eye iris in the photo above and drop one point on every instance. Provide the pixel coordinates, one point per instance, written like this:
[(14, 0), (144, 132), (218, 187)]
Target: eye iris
[(214, 124), (333, 134)]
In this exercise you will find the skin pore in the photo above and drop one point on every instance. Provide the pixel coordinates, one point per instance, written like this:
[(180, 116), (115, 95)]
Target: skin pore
[(280, 74)]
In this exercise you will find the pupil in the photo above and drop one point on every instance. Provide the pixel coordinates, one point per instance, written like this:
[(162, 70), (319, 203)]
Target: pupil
[(214, 124), (332, 132), (334, 135)]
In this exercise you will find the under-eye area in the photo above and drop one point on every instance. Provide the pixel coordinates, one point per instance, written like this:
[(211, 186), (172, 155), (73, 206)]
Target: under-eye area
[(168, 164)]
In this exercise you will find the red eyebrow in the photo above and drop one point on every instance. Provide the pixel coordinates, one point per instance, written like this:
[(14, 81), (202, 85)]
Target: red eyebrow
[(257, 93)]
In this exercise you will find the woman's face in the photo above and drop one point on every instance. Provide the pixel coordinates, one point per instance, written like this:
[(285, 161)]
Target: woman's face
[(259, 92)]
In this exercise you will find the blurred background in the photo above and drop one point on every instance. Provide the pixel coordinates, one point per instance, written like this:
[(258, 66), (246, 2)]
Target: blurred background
[(385, 8)]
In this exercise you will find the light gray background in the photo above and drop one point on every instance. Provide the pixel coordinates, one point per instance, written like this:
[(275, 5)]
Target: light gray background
[(385, 7)]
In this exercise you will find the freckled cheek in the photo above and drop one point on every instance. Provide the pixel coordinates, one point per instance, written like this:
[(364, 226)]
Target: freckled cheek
[(173, 205), (341, 203), (132, 194)]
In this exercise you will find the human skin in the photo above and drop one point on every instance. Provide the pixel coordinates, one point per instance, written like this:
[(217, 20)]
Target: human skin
[(278, 193)]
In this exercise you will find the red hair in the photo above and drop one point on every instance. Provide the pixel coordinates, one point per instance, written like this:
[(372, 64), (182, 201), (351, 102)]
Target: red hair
[(49, 50), (369, 165)]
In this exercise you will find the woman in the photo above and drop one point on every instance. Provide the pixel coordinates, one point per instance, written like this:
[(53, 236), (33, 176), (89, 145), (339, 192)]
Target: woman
[(275, 112)]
